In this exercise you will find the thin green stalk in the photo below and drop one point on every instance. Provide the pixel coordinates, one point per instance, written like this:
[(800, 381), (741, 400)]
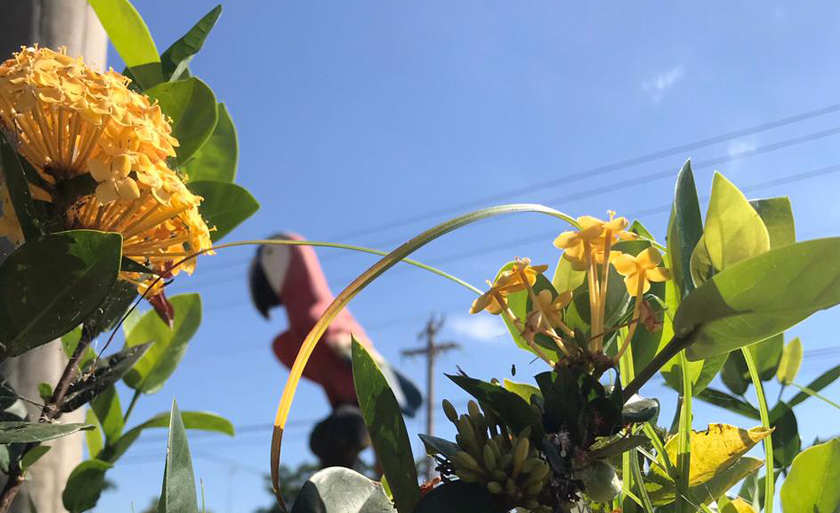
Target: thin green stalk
[(815, 394), (684, 439), (131, 405), (637, 476), (769, 480), (650, 431), (625, 363)]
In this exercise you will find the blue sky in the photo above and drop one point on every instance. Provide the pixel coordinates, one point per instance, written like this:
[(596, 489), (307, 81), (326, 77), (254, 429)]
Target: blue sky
[(355, 116)]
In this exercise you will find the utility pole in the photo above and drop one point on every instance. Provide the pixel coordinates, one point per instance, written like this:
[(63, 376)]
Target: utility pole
[(49, 23), (431, 350)]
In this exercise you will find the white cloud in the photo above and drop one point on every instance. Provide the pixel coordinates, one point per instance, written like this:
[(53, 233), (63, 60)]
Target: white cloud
[(656, 87), (737, 147), (479, 327)]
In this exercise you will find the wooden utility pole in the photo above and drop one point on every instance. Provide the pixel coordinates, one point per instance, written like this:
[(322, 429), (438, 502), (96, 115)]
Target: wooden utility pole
[(431, 350), (49, 23)]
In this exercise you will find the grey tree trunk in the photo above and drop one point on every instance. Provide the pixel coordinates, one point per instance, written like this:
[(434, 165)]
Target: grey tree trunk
[(49, 23)]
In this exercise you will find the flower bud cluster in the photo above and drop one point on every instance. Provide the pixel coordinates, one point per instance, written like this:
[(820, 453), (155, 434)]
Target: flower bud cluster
[(507, 465)]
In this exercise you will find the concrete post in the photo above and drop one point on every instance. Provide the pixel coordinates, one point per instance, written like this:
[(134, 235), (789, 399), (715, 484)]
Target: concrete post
[(49, 23)]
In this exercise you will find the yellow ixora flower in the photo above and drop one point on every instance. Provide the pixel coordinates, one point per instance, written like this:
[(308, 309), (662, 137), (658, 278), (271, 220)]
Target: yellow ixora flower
[(553, 308), (508, 281), (640, 270), (579, 246), (69, 120)]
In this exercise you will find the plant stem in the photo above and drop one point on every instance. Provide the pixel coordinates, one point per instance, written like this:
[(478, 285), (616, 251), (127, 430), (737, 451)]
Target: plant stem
[(770, 478), (131, 405), (674, 346), (684, 440), (51, 411)]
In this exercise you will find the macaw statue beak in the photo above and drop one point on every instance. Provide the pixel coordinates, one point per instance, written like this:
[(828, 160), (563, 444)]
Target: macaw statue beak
[(262, 295)]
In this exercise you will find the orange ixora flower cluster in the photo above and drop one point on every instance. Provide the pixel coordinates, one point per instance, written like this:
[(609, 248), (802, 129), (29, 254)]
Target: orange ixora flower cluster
[(589, 249), (69, 120)]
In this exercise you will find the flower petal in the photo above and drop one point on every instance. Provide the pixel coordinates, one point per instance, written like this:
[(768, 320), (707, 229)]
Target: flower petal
[(658, 274), (625, 264)]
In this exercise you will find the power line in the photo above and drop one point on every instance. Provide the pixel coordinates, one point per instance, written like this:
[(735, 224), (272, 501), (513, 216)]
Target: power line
[(592, 172), (577, 196)]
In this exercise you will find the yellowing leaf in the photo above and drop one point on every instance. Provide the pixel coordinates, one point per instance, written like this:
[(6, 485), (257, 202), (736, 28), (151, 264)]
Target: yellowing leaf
[(662, 490), (716, 449), (738, 505), (790, 362)]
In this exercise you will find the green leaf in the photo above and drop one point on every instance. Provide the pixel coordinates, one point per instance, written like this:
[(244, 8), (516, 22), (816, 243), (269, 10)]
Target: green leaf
[(778, 218), (33, 455), (435, 445), (201, 420), (825, 379), (178, 56), (388, 434), (790, 362), (109, 413), (685, 228), (150, 373), (760, 297), (786, 440), (733, 231), (26, 432), (121, 296), (523, 390), (225, 205), (84, 486), (217, 159), (130, 36), (192, 107), (93, 437), (106, 372), (766, 355), (565, 277), (733, 404), (813, 485), (661, 491), (178, 494), (459, 497), (18, 190), (51, 284), (507, 406), (341, 490)]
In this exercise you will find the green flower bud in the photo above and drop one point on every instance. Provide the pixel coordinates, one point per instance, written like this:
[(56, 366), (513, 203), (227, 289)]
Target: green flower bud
[(494, 488), (510, 488), (506, 461), (450, 412), (463, 460), (499, 475), (489, 458), (472, 407), (600, 481)]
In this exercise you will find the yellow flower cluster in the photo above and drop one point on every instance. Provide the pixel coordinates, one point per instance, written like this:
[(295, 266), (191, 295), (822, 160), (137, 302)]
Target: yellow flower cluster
[(69, 120)]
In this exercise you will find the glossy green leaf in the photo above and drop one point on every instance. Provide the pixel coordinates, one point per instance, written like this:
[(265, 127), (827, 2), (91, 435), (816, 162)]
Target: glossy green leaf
[(11, 171), (93, 437), (766, 355), (662, 491), (341, 490), (388, 434), (225, 205), (813, 484), (508, 406), (733, 230), (523, 390), (178, 494), (130, 36), (84, 486), (790, 362), (565, 277), (786, 440), (178, 56), (120, 298), (435, 445), (25, 432), (34, 454), (733, 404), (192, 107), (459, 497), (109, 413), (107, 371), (217, 159), (760, 297), (825, 379), (685, 228), (777, 215), (201, 420), (51, 284), (150, 373)]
